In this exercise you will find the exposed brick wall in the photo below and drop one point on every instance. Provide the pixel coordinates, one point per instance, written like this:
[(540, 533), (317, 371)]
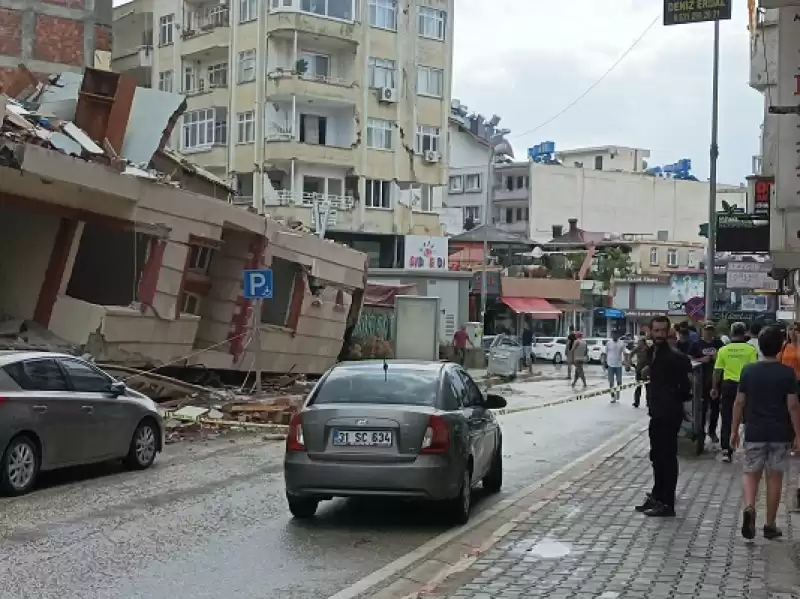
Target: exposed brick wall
[(102, 34), (66, 3), (58, 40), (10, 32)]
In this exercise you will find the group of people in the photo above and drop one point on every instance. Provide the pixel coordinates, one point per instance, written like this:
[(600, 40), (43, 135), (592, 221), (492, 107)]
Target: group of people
[(752, 380)]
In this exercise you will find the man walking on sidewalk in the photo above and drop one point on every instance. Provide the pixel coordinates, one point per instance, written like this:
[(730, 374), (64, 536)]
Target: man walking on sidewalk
[(767, 400), (668, 373), (615, 354), (705, 352), (727, 370), (570, 342), (578, 355), (639, 357)]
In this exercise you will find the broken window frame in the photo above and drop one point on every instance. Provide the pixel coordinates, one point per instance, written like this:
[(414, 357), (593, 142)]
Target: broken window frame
[(191, 303), (277, 311)]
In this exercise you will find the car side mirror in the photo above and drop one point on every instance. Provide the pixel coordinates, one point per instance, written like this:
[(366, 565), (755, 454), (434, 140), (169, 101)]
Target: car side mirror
[(117, 389), (495, 402)]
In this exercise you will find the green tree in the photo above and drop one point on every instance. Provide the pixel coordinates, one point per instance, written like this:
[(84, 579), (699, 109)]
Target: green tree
[(611, 263)]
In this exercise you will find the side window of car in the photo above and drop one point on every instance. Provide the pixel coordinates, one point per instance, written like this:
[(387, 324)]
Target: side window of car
[(85, 378), (37, 375), (452, 392), (474, 397)]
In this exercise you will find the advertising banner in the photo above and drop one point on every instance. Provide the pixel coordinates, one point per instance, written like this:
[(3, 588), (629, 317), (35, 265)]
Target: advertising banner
[(681, 12)]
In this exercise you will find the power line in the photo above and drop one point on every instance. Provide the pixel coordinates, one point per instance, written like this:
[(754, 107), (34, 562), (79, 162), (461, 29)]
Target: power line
[(593, 85)]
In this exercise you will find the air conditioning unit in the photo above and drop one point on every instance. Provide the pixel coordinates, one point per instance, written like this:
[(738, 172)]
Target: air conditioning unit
[(430, 156), (387, 94)]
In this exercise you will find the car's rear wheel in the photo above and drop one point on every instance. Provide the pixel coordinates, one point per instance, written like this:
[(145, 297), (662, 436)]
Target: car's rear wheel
[(459, 507), (493, 481), (557, 359), (144, 446), (20, 466), (302, 507)]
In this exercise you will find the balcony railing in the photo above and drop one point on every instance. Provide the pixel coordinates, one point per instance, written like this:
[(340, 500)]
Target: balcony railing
[(286, 197), (280, 73), (278, 132)]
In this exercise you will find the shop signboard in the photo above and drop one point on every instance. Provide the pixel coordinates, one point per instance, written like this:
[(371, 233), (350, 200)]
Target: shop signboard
[(742, 233), (682, 12), (749, 275), (425, 253)]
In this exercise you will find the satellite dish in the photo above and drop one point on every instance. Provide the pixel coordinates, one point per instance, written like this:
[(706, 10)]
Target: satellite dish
[(537, 252)]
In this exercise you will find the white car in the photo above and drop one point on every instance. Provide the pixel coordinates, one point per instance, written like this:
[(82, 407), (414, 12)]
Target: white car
[(597, 349), (551, 348)]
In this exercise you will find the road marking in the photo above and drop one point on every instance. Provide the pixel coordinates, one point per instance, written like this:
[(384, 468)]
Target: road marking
[(423, 551)]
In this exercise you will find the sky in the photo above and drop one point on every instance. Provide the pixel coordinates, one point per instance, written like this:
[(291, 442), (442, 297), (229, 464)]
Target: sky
[(526, 60)]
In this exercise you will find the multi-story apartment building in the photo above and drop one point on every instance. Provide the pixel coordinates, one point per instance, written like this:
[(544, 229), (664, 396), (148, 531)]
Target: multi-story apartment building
[(654, 257), (313, 108)]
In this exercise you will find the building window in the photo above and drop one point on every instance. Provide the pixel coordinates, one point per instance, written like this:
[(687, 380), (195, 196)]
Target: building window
[(246, 127), (472, 182), (472, 213), (203, 128), (165, 27), (598, 163), (653, 256), (691, 261), (335, 9), (200, 258), (218, 75), (425, 198), (430, 81), (378, 194), (247, 66), (165, 81), (248, 10), (317, 66), (509, 215), (190, 303), (379, 134), (431, 23), (672, 257), (381, 73), (383, 14), (456, 184), (427, 138), (189, 79)]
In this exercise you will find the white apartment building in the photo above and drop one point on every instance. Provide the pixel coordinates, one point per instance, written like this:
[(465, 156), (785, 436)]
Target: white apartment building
[(311, 107), (605, 188)]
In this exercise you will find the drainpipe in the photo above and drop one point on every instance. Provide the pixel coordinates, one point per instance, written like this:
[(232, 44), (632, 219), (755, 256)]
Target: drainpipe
[(401, 117), (261, 72), (234, 67), (363, 47)]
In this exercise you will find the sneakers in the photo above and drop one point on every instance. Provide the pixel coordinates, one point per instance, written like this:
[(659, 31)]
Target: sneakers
[(727, 457), (649, 503), (770, 532), (749, 523)]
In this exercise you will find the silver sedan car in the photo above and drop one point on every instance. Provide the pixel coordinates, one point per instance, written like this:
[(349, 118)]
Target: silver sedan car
[(57, 410), (417, 430)]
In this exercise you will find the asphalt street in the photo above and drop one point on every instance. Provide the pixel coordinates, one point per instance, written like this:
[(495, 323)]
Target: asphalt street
[(210, 520)]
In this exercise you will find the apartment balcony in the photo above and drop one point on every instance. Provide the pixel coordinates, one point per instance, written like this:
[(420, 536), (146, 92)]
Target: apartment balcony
[(282, 85), (518, 227), (132, 59), (502, 194), (304, 207), (764, 58), (208, 41), (336, 24), (207, 96), (287, 149)]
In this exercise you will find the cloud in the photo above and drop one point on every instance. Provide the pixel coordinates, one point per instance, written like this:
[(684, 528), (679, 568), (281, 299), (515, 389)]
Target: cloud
[(527, 59)]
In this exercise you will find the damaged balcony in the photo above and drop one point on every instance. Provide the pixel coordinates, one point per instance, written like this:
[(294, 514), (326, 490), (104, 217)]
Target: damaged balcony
[(333, 19)]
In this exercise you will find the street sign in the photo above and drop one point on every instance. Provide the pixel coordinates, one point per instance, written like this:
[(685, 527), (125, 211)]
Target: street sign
[(742, 233), (682, 12), (258, 284), (695, 308)]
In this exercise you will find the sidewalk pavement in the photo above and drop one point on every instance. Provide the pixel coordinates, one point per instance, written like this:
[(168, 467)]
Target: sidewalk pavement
[(586, 541)]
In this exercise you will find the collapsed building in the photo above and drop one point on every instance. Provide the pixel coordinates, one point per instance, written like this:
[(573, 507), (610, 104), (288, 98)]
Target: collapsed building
[(117, 246)]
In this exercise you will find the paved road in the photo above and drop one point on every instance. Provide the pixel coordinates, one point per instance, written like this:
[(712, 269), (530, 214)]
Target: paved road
[(209, 519)]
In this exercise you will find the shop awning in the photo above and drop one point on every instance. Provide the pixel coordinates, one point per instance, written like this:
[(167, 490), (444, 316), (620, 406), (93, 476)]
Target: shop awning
[(535, 306)]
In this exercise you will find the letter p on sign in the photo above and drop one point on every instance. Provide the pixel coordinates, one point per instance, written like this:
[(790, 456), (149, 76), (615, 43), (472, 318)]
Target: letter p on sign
[(257, 284)]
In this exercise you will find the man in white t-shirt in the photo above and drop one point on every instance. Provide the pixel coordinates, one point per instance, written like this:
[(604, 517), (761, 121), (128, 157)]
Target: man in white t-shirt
[(755, 329), (615, 355)]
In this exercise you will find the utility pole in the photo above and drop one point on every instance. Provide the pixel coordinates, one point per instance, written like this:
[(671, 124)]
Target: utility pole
[(712, 181), (485, 225)]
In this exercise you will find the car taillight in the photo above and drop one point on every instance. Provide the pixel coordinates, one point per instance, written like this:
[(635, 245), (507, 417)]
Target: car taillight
[(295, 440), (437, 436)]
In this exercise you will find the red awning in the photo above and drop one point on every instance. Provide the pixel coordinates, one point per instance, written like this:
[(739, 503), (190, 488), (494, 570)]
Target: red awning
[(535, 306)]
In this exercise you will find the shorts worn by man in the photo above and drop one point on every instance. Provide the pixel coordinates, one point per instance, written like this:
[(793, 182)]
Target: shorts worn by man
[(767, 402)]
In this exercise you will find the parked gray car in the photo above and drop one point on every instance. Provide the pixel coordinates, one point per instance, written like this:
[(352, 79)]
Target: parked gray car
[(57, 410), (416, 430)]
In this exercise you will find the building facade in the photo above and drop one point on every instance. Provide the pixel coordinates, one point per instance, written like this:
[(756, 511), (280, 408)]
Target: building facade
[(51, 37), (606, 158), (327, 110), (653, 257)]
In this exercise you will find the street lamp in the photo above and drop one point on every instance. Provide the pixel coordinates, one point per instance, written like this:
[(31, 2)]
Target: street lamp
[(498, 146)]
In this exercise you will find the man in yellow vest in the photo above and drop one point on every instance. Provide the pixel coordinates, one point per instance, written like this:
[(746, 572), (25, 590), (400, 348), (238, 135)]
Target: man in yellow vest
[(727, 371)]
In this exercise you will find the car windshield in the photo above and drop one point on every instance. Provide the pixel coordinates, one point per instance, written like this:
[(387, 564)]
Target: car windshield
[(397, 385)]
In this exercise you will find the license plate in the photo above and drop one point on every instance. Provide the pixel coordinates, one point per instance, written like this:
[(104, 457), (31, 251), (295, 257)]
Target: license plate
[(362, 438)]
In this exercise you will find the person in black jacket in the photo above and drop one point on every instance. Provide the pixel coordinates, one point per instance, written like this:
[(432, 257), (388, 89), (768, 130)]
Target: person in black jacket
[(668, 372)]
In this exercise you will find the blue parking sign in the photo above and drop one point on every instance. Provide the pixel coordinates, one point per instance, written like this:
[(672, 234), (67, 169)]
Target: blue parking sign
[(258, 284)]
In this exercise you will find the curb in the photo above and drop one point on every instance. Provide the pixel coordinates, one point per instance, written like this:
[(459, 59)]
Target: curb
[(419, 572)]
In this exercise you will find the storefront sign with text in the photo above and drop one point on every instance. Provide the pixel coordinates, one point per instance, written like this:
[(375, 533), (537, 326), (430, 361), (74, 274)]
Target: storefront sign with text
[(681, 12)]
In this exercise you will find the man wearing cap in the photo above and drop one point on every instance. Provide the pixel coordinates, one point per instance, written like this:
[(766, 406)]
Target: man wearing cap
[(727, 370)]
